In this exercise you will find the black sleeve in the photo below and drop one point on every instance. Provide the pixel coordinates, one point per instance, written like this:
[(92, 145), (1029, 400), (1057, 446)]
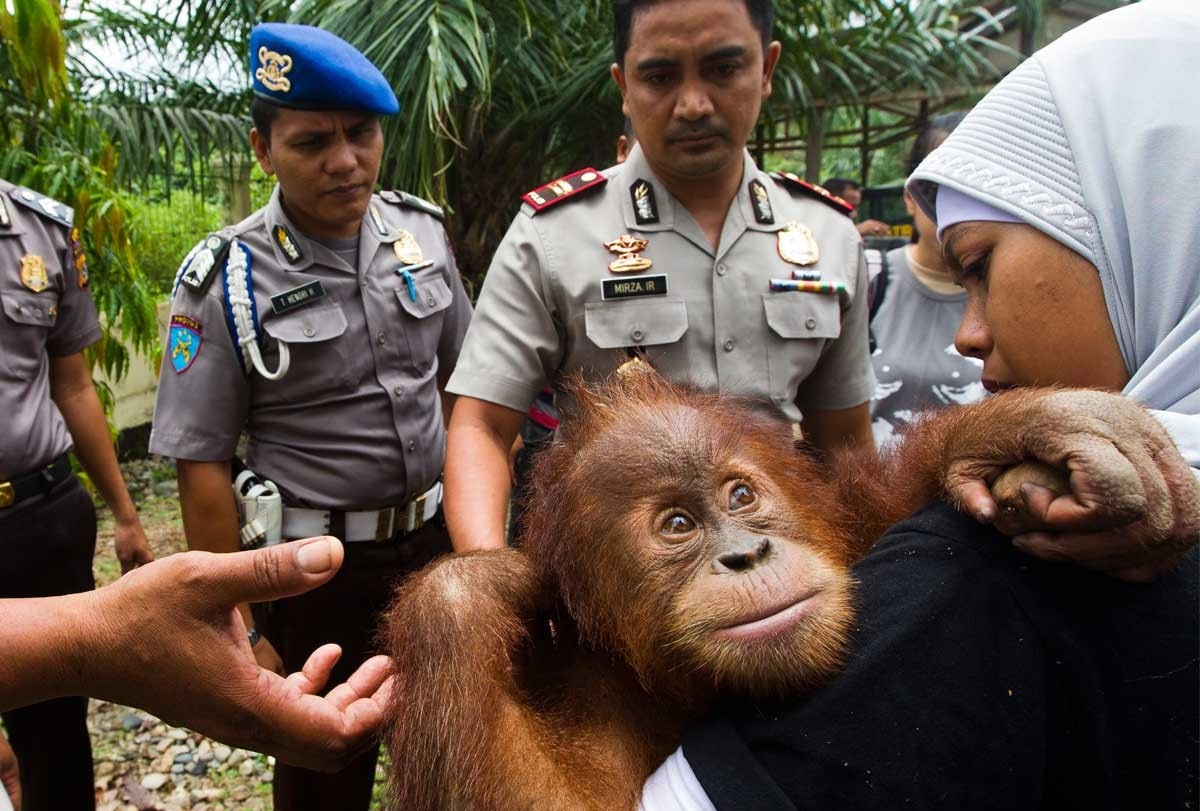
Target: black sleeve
[(942, 704)]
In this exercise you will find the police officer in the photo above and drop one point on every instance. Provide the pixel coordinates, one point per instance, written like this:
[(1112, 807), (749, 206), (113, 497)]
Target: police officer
[(687, 253), (323, 326), (47, 522)]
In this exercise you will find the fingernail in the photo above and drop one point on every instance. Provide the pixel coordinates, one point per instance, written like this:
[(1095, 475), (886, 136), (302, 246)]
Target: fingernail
[(316, 556)]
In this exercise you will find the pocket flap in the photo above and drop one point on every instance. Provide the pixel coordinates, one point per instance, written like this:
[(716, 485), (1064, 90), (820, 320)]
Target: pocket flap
[(33, 309), (612, 324), (803, 315), (308, 325), (432, 296)]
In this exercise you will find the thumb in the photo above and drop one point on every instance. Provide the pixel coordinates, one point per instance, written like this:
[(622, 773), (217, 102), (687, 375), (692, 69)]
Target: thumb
[(273, 572)]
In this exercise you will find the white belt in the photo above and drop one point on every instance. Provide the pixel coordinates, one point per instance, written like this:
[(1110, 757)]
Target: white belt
[(365, 525)]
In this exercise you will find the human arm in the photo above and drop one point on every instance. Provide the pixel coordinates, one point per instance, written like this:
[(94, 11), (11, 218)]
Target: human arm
[(477, 473), (10, 775), (73, 392), (835, 430), (166, 638), (872, 228), (210, 522)]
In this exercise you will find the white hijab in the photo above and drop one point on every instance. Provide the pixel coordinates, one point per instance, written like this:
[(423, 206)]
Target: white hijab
[(1095, 140)]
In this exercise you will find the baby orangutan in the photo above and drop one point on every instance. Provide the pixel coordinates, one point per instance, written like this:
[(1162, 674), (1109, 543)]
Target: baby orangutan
[(677, 547)]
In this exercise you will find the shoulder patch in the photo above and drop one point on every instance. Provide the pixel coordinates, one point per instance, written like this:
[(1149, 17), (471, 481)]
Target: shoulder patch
[(403, 198), (197, 270), (795, 184), (564, 188), (46, 206)]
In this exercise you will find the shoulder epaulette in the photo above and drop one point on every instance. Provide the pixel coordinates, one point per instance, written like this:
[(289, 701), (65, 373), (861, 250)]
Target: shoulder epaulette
[(403, 198), (198, 268), (46, 206), (564, 188), (799, 184)]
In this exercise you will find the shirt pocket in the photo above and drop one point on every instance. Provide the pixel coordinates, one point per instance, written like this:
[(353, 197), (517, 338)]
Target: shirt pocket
[(27, 321), (800, 326), (424, 311), (654, 327), (321, 360)]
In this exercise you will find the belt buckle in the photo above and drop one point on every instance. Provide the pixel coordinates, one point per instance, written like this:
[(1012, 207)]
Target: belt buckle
[(384, 524), (7, 495)]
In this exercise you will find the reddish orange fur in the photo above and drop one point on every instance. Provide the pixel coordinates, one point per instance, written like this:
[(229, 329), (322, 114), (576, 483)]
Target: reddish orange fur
[(495, 711)]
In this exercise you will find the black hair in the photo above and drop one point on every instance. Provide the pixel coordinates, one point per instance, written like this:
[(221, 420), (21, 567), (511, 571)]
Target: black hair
[(762, 15), (263, 113), (931, 135), (837, 185)]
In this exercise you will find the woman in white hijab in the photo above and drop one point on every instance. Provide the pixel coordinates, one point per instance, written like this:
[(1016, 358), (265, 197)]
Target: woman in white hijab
[(1069, 201)]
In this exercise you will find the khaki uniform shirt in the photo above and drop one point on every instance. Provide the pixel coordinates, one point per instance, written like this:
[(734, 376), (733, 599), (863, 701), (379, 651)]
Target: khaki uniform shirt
[(543, 311), (356, 423), (47, 311)]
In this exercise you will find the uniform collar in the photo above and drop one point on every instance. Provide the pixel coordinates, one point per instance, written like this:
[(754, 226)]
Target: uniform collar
[(14, 210), (636, 172), (310, 250), (756, 182)]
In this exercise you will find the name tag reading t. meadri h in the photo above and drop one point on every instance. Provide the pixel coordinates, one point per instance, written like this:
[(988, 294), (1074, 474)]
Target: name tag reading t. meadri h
[(634, 287), (289, 300)]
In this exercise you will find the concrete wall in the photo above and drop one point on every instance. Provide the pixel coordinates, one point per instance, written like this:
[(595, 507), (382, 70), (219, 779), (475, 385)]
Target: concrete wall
[(135, 392)]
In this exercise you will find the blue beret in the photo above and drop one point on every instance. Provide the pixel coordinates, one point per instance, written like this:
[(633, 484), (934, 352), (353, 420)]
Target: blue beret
[(307, 68)]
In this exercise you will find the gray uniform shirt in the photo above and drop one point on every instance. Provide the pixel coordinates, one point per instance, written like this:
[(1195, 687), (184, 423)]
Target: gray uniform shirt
[(544, 311), (916, 364), (57, 320), (356, 423)]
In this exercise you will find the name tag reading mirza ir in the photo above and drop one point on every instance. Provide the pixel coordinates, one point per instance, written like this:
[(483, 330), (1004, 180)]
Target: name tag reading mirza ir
[(289, 300), (634, 288)]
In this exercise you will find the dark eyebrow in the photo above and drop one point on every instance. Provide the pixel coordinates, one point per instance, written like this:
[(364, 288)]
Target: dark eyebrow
[(656, 63), (728, 52), (948, 253)]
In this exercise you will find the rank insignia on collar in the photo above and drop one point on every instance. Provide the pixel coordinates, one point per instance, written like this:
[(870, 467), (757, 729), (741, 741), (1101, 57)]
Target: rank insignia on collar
[(287, 244), (407, 250), (628, 260), (5, 217), (564, 188), (798, 245), (183, 342), (377, 218), (33, 272), (199, 272), (645, 208), (81, 270), (273, 73), (761, 203)]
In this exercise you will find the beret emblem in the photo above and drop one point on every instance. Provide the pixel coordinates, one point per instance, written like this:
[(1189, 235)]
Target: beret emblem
[(274, 67)]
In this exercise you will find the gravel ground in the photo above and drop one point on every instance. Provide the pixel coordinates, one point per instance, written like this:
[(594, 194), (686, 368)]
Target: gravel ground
[(141, 762)]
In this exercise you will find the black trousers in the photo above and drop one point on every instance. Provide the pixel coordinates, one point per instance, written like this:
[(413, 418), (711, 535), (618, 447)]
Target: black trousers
[(345, 610), (46, 548)]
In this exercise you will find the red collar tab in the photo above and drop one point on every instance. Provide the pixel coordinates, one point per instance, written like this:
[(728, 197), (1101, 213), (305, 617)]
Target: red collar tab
[(797, 183), (565, 187)]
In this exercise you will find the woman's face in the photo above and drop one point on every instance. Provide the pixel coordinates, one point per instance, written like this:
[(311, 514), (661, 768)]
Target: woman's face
[(1035, 309)]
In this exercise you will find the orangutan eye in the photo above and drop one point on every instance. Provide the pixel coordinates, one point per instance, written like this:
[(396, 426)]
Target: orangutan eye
[(678, 524), (740, 496)]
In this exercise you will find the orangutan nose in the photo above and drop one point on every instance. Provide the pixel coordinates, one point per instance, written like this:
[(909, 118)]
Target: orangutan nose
[(743, 560)]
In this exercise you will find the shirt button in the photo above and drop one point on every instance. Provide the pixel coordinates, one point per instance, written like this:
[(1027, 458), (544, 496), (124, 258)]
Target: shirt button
[(638, 335), (399, 391), (412, 446), (381, 338), (309, 332), (722, 270), (811, 323), (728, 344)]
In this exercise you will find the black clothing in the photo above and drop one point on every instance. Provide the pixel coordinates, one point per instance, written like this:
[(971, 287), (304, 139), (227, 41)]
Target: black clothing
[(980, 678), (47, 544)]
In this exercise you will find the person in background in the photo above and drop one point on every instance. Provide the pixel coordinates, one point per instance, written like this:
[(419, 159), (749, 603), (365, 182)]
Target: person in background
[(687, 254), (851, 192), (338, 316), (913, 324), (47, 521)]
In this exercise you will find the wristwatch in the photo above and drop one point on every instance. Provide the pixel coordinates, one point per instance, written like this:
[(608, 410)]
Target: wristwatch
[(253, 636)]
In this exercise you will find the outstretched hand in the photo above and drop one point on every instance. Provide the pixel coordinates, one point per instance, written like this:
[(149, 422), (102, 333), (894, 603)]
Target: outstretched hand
[(171, 641), (1131, 506)]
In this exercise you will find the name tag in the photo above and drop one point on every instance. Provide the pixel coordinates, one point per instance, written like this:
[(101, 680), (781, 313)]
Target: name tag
[(634, 287), (289, 300)]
